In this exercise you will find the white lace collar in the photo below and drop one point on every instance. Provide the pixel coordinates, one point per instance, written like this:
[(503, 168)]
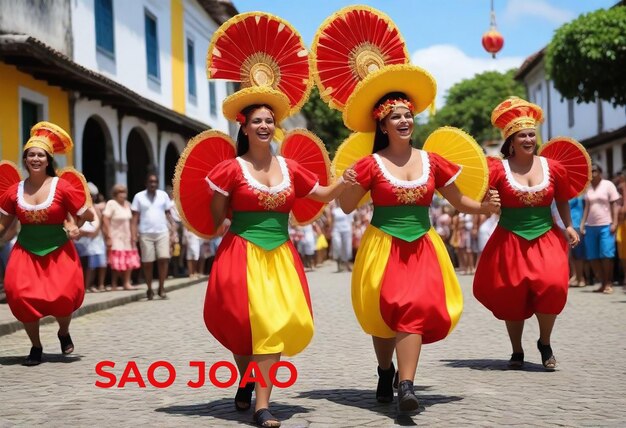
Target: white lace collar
[(404, 183), (42, 206), (515, 185), (285, 184)]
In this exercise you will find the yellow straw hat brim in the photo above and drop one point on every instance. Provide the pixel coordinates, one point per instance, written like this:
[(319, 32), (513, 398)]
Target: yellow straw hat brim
[(235, 103)]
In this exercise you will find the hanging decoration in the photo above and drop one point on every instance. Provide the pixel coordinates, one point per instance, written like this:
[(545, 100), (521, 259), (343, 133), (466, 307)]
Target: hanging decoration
[(492, 39)]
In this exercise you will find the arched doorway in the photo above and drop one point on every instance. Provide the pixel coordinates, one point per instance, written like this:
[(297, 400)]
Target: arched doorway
[(98, 163), (139, 161), (171, 157)]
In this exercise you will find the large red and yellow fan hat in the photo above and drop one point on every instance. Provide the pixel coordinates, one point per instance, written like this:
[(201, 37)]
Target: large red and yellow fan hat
[(308, 150), (574, 157), (460, 148), (355, 147), (77, 181), (261, 50), (416, 83), (349, 45), (49, 137), (9, 175), (192, 193)]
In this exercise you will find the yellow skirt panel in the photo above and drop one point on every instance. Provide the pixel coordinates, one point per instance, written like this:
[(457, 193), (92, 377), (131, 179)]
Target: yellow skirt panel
[(280, 319)]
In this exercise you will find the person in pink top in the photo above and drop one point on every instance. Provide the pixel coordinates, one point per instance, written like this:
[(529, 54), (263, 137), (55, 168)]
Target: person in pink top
[(598, 224)]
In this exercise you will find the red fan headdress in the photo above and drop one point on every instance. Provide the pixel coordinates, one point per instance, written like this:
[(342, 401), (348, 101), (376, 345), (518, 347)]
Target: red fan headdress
[(77, 181), (349, 45), (49, 137), (192, 194), (9, 175), (573, 156), (308, 150), (267, 55)]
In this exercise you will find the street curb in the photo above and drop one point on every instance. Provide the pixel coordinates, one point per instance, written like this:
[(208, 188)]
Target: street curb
[(13, 326)]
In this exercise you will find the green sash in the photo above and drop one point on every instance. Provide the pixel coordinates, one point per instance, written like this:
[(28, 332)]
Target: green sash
[(529, 222), (41, 239), (268, 230), (406, 222)]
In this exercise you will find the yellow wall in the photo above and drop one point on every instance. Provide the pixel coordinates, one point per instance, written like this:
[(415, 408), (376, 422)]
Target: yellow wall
[(178, 57), (58, 109)]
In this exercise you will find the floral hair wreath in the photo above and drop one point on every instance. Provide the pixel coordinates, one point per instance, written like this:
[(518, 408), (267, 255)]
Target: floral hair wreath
[(241, 118), (385, 108)]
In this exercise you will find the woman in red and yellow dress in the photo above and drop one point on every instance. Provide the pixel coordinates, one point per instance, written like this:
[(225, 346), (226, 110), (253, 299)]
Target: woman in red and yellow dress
[(44, 274), (404, 289), (523, 270), (257, 302)]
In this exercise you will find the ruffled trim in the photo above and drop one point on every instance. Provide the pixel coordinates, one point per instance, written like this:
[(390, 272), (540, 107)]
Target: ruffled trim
[(42, 206), (454, 177), (515, 185), (404, 183), (215, 187), (252, 182)]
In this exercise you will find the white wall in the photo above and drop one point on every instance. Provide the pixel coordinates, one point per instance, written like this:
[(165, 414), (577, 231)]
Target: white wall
[(129, 67)]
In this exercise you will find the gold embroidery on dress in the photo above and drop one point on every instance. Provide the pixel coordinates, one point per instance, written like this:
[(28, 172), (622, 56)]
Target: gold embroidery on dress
[(36, 216), (530, 198), (409, 195), (271, 201)]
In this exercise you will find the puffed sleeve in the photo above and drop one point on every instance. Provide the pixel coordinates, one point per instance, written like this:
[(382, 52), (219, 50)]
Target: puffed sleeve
[(445, 172), (74, 199), (304, 181), (364, 171), (222, 177), (108, 209), (8, 200), (495, 171), (563, 191)]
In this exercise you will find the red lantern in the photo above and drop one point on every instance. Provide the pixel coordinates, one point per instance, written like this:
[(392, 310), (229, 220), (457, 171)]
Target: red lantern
[(492, 39), (493, 42)]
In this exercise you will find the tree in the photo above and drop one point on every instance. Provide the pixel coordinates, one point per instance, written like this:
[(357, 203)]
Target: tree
[(325, 122), (469, 104), (586, 58)]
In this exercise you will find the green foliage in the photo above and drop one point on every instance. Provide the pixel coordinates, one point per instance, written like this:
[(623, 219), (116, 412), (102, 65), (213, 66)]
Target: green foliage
[(325, 122), (469, 104), (587, 57)]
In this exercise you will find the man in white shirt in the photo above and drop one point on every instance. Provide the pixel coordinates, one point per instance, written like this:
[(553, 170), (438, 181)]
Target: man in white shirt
[(150, 226)]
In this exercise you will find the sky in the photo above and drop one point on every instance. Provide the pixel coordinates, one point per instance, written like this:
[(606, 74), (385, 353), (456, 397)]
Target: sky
[(444, 36)]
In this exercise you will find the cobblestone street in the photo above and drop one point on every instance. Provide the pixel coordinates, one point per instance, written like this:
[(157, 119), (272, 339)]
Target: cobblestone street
[(461, 381)]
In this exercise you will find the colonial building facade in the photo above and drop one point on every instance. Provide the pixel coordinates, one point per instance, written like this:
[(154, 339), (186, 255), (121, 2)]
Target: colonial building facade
[(127, 79), (599, 126)]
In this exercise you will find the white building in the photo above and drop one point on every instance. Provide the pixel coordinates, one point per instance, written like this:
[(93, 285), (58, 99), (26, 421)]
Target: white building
[(599, 126)]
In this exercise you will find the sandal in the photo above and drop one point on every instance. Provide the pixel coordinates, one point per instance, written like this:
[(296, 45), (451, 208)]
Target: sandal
[(407, 401), (517, 360), (244, 395), (263, 418), (384, 390), (34, 358), (608, 290), (67, 346), (547, 357)]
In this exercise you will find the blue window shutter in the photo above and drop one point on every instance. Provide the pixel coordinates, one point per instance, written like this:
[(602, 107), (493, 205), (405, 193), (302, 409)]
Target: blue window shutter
[(191, 70), (152, 47), (104, 25)]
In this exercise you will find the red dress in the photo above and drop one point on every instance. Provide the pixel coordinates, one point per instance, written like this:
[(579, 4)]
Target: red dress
[(257, 299), (51, 284), (403, 280), (517, 276)]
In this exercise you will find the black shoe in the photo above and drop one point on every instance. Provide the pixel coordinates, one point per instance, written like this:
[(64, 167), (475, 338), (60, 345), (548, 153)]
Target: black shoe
[(547, 357), (517, 360), (263, 418), (67, 346), (244, 395), (407, 401), (34, 358), (384, 390)]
